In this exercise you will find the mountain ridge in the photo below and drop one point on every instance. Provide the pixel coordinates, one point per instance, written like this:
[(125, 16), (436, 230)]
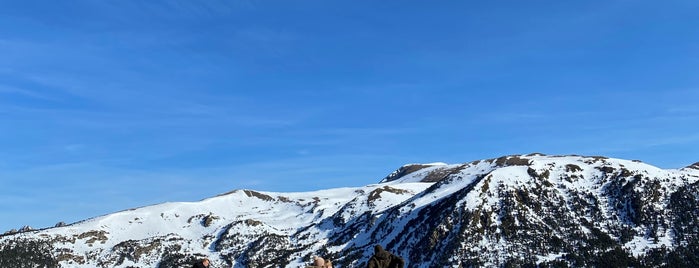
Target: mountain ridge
[(513, 210)]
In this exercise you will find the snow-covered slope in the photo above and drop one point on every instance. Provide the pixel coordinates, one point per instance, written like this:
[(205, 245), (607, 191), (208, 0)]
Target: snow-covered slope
[(514, 210)]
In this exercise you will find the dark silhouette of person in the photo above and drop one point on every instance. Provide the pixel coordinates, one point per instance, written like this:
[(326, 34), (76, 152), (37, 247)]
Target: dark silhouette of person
[(384, 259), (201, 264)]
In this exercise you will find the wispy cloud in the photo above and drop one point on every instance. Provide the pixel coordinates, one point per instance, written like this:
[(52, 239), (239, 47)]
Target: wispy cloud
[(5, 89)]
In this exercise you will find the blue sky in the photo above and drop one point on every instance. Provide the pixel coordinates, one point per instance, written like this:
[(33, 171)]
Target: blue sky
[(109, 105)]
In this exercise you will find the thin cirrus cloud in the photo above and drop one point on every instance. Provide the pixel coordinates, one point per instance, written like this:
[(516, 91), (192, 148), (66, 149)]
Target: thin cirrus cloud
[(11, 90)]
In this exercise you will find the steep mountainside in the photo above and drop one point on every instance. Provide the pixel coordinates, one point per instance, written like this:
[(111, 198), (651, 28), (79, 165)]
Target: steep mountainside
[(513, 211)]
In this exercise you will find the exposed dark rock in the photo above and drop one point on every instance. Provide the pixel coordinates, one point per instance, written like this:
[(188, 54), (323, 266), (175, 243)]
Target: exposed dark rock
[(694, 166), (402, 171)]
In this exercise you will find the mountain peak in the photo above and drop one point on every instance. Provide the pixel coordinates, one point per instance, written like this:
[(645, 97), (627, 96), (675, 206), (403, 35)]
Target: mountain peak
[(437, 171), (408, 169)]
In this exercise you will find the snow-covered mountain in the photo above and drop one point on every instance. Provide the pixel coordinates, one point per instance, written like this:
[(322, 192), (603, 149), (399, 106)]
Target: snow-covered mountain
[(513, 211)]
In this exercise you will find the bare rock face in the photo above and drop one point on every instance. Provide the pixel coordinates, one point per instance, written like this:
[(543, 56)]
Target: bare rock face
[(402, 171), (694, 166), (513, 211)]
